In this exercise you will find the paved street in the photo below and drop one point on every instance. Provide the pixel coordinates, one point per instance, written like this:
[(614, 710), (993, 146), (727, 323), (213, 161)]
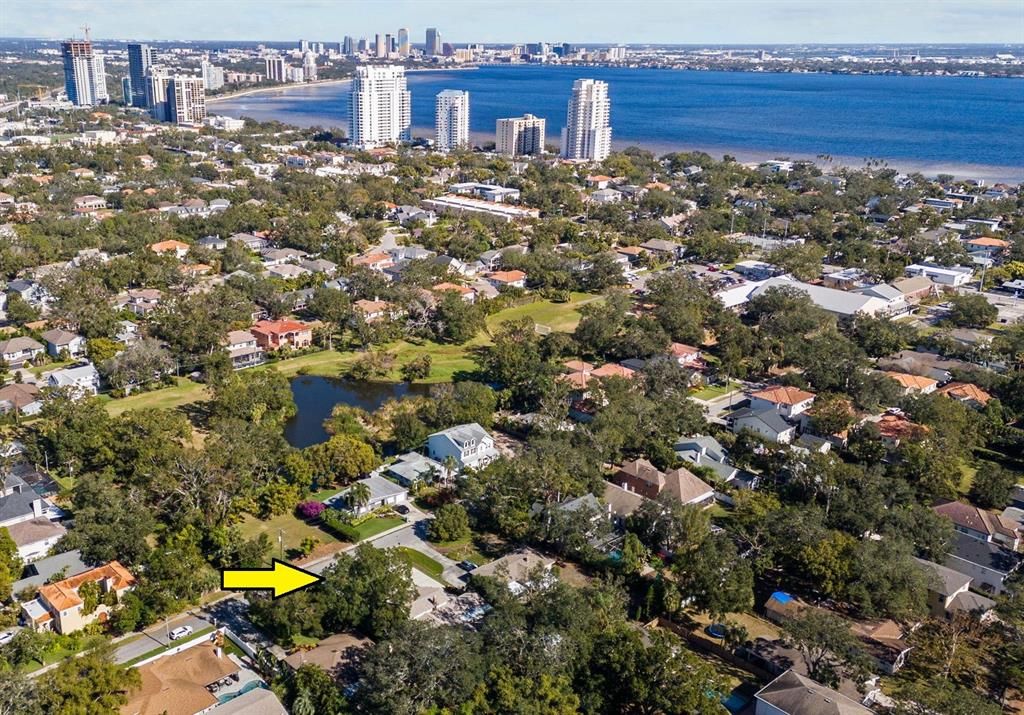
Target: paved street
[(156, 637)]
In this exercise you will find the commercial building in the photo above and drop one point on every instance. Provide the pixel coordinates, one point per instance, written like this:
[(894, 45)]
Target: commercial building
[(140, 58), (85, 79), (348, 45), (587, 134), (381, 49), (380, 106), (433, 44), (520, 136), (186, 100), (276, 68), (452, 120), (404, 46), (309, 67)]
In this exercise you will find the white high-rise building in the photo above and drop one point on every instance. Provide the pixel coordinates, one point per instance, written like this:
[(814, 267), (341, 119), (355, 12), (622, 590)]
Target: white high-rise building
[(276, 71), (587, 133), (85, 78), (309, 67), (213, 76), (156, 94), (379, 106), (380, 48), (186, 99), (520, 136), (404, 47), (452, 120)]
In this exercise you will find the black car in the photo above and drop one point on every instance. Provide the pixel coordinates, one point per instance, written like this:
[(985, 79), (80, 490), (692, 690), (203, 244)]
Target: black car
[(466, 565), (402, 509)]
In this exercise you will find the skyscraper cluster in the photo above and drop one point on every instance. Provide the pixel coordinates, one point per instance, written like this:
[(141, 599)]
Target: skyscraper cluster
[(169, 97)]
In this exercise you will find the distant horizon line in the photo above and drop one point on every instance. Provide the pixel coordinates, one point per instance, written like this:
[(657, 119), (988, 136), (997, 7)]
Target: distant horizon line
[(857, 43)]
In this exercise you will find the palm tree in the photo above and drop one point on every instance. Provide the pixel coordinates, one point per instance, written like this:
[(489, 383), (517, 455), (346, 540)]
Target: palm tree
[(359, 496)]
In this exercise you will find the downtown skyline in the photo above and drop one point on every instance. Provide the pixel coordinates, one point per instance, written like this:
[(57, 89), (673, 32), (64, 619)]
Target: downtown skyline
[(648, 22)]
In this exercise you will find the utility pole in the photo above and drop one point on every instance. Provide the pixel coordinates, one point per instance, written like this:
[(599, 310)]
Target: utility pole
[(280, 542)]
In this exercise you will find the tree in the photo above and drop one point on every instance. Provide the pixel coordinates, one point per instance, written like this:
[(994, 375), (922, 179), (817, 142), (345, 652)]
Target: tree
[(417, 369), (371, 591), (10, 564), (315, 692), (942, 696), (828, 647), (971, 310), (341, 459), (504, 692), (802, 260), (143, 362), (110, 523), (359, 495), (91, 684), (26, 646), (990, 488), (634, 555), (257, 397), (456, 321), (715, 577), (450, 523)]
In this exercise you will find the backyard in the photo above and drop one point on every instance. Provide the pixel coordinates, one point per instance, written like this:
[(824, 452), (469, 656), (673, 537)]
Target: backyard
[(291, 529)]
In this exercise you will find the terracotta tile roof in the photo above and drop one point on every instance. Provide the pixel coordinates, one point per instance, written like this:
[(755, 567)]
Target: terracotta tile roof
[(682, 350), (912, 382), (987, 242), (464, 290), (577, 379), (278, 327), (371, 306), (63, 595), (895, 427), (578, 365), (169, 245), (631, 250), (371, 258), (781, 395), (612, 370), (966, 392), (507, 276)]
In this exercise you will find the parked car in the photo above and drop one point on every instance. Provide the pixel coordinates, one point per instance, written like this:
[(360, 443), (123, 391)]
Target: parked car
[(466, 565), (402, 509), (7, 636), (181, 632)]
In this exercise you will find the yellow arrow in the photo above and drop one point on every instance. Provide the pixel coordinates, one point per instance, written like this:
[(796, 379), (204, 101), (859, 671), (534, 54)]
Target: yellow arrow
[(282, 578)]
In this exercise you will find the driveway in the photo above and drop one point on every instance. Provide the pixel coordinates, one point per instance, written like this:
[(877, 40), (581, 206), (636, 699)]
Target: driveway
[(157, 637), (414, 537)]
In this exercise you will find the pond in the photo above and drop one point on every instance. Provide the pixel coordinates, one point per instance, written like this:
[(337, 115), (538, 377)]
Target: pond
[(315, 398)]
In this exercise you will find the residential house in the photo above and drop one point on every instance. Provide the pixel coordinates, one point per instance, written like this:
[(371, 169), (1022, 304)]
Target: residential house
[(966, 393), (949, 592), (253, 242), (986, 246), (278, 334), (787, 401), (382, 492), (81, 380), (337, 655), (142, 301), (895, 429), (60, 342), (319, 265), (23, 397), (373, 311), (18, 351), (913, 384), (38, 572), (88, 203), (986, 562), (705, 451), (413, 467), (406, 215), (767, 423), (980, 524), (280, 256), (170, 247), (244, 349), (507, 279), (35, 537), (214, 243), (520, 570), (915, 289), (61, 608), (644, 478), (465, 292), (621, 503), (664, 250), (606, 196), (795, 694), (468, 445), (286, 271), (374, 261), (685, 355)]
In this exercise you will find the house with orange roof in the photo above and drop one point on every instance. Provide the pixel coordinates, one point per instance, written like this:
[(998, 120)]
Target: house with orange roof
[(913, 384), (373, 261), (374, 310), (986, 246), (685, 355), (968, 394), (467, 293), (787, 401), (507, 279), (178, 248), (896, 429), (277, 334), (63, 607), (611, 369), (578, 366), (599, 181)]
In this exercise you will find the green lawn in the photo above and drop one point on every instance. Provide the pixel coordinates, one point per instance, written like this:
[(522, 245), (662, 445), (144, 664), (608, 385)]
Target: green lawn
[(59, 653), (290, 527), (422, 562), (463, 550), (713, 391), (183, 393), (377, 525), (563, 317)]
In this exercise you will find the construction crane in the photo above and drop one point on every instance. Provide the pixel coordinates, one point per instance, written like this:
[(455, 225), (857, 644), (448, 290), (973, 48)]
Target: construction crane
[(86, 28)]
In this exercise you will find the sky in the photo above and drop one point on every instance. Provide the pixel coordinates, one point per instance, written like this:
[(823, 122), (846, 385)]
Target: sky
[(705, 22)]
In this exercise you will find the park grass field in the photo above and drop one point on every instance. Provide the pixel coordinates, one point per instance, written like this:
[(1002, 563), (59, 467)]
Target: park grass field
[(447, 360)]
